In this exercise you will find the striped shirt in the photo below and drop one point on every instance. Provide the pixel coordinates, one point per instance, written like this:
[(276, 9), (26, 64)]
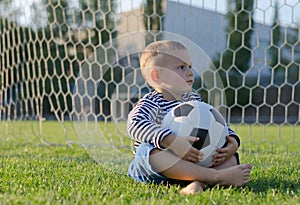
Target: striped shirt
[(145, 118)]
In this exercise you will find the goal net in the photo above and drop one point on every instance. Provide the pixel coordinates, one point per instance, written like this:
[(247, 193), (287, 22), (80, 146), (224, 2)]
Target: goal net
[(75, 64)]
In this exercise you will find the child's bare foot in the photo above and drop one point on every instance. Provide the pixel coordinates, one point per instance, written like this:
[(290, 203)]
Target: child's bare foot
[(193, 188), (234, 176)]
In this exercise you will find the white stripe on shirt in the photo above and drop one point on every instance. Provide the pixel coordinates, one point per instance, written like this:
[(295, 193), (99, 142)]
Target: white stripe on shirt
[(145, 118)]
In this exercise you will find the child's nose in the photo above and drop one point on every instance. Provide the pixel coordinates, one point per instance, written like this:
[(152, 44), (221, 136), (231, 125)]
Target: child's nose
[(190, 73)]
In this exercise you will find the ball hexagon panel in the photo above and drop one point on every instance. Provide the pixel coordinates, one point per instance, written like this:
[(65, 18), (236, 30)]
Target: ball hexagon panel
[(181, 126), (204, 139), (217, 129), (201, 120), (208, 152), (183, 110), (218, 117)]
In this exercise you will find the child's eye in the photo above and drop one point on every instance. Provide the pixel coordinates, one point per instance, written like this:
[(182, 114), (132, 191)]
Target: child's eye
[(184, 67), (181, 67)]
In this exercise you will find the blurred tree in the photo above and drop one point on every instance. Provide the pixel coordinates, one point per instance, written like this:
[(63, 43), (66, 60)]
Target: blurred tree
[(273, 50), (235, 60), (20, 92), (239, 29), (55, 50), (274, 58), (74, 32), (153, 15), (153, 18), (283, 52)]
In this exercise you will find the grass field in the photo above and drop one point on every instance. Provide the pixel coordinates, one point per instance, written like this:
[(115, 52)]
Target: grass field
[(37, 174)]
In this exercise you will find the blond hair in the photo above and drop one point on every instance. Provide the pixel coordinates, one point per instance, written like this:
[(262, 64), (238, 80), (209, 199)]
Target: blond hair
[(153, 54), (154, 50)]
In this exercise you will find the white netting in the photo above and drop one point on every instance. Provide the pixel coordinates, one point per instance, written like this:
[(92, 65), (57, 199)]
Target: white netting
[(68, 60)]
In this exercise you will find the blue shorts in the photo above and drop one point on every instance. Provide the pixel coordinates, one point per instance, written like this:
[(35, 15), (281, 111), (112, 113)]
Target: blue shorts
[(140, 169)]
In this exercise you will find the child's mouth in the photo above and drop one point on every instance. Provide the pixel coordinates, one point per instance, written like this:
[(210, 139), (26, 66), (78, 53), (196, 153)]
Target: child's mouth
[(190, 82)]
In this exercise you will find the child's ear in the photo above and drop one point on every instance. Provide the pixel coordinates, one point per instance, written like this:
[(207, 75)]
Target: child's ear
[(155, 75)]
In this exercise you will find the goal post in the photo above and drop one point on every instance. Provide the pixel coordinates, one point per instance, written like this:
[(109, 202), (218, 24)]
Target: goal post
[(74, 62)]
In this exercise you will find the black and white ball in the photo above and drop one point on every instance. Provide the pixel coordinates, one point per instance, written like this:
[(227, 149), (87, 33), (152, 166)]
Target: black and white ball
[(199, 119)]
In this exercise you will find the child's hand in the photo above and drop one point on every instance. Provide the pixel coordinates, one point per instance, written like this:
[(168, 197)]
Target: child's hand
[(222, 154), (182, 146)]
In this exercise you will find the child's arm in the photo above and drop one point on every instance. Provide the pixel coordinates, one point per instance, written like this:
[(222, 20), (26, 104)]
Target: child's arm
[(182, 147), (222, 154), (141, 127), (230, 148), (141, 124)]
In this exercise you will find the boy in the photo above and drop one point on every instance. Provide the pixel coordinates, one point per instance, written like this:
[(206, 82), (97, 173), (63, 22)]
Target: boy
[(162, 157)]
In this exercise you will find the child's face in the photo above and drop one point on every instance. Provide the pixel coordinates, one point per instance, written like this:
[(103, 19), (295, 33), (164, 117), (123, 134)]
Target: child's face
[(176, 76)]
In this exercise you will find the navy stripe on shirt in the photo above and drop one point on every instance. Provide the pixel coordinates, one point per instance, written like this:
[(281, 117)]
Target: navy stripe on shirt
[(145, 118)]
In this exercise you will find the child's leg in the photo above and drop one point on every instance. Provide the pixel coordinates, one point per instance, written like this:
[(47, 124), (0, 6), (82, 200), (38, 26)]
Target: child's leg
[(197, 186), (232, 161), (193, 188), (173, 167)]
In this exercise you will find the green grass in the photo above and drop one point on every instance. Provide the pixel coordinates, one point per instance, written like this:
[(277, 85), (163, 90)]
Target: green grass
[(32, 173)]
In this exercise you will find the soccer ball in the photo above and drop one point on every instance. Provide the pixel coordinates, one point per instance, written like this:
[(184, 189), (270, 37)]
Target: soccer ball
[(199, 119)]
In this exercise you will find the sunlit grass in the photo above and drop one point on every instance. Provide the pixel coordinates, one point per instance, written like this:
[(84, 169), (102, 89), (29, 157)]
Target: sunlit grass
[(33, 172)]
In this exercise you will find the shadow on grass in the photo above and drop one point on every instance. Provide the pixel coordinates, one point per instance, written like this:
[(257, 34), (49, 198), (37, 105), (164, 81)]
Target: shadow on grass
[(62, 153), (264, 185)]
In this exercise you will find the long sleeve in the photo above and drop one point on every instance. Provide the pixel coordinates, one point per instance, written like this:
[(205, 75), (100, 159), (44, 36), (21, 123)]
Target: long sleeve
[(142, 125), (231, 133)]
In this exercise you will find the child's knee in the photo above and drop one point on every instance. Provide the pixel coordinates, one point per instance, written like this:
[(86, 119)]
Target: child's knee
[(154, 151), (233, 160)]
